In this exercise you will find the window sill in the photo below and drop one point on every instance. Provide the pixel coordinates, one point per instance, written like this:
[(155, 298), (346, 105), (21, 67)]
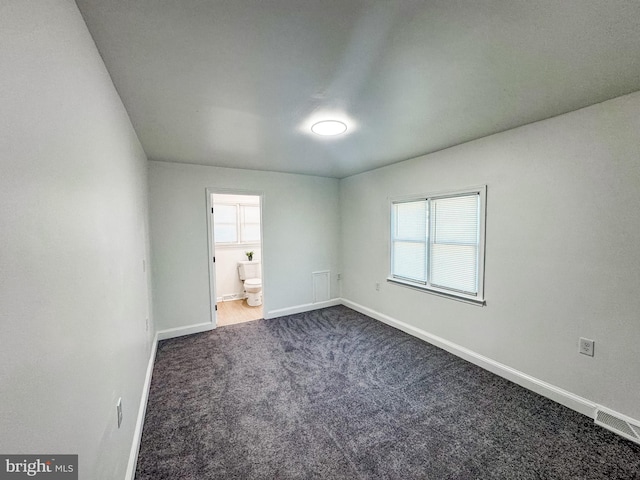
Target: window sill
[(439, 293), (238, 245)]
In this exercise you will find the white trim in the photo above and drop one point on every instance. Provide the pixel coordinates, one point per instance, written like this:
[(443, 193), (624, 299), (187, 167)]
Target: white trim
[(236, 246), (307, 307), (211, 246), (142, 410), (568, 399), (211, 249), (439, 293), (181, 331)]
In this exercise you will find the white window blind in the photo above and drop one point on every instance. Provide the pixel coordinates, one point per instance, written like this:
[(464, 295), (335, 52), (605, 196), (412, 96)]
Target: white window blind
[(437, 243), (455, 243), (409, 251)]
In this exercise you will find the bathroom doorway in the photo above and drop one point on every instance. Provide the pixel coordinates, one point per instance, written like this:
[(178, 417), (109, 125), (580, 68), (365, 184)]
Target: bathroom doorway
[(236, 246)]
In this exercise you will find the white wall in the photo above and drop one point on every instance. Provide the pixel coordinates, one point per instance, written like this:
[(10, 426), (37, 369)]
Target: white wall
[(300, 225), (562, 249), (73, 209)]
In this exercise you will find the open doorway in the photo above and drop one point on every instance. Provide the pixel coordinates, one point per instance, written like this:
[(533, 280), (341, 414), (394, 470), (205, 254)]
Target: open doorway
[(236, 245)]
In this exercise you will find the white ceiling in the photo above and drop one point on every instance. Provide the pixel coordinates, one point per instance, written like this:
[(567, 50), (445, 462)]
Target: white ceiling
[(237, 83)]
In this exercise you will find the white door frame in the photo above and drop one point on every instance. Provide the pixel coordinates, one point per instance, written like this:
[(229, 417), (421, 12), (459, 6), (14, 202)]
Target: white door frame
[(211, 246)]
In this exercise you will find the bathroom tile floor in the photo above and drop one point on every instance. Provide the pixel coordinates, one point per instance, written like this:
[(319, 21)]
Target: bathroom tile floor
[(237, 311)]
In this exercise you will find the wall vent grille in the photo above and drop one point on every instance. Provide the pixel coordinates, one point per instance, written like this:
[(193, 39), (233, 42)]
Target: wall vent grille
[(618, 425), (230, 297), (321, 286)]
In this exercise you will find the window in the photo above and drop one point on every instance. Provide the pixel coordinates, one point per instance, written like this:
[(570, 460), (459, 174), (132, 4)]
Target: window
[(249, 224), (236, 223), (225, 223), (437, 243)]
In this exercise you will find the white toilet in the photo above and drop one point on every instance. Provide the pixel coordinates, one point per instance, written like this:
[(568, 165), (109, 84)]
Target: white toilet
[(251, 276)]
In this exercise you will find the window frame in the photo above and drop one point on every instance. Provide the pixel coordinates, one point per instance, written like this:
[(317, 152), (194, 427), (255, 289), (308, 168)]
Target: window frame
[(476, 299)]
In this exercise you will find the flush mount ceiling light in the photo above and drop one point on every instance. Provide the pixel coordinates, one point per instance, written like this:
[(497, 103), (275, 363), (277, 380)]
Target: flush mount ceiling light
[(329, 127)]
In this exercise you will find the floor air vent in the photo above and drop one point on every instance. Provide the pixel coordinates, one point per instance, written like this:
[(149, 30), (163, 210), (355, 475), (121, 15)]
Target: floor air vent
[(617, 425)]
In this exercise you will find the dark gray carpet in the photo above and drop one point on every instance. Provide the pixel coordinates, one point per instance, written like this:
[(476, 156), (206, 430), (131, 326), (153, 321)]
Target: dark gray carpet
[(333, 394)]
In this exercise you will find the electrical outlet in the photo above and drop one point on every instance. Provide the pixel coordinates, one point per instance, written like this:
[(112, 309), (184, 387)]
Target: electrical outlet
[(144, 265), (339, 276), (119, 411), (146, 323), (377, 287), (586, 346)]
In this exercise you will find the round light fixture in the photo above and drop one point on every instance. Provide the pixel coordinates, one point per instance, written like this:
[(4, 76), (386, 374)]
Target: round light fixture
[(329, 127)]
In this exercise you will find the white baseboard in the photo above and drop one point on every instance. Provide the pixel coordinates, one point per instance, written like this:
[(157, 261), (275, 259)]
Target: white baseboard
[(307, 307), (142, 410), (180, 331), (568, 399)]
